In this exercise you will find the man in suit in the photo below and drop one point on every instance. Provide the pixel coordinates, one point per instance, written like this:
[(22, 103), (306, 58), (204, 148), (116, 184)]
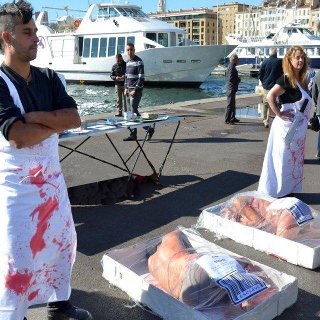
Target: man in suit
[(233, 81)]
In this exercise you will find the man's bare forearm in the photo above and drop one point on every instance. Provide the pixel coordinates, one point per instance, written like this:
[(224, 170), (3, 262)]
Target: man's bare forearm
[(57, 120), (23, 135)]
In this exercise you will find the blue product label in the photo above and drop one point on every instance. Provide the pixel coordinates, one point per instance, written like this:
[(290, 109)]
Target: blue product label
[(230, 275)]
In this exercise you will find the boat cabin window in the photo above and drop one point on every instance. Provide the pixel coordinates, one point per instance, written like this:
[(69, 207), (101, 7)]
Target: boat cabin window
[(306, 32), (106, 13), (103, 48), (310, 52), (173, 39), (152, 36), (163, 39), (121, 45), (112, 46), (181, 40), (281, 51), (94, 47), (86, 48), (131, 12), (131, 40)]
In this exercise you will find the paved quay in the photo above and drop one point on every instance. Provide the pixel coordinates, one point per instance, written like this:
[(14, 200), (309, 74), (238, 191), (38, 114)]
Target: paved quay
[(208, 163)]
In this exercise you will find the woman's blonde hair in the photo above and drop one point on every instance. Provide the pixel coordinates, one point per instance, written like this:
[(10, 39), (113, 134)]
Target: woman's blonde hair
[(288, 69)]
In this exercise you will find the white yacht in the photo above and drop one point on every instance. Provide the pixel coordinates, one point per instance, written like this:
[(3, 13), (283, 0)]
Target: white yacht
[(254, 50), (85, 51)]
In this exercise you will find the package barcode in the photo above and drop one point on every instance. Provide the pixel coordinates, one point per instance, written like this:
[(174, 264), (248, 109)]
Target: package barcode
[(242, 286), (301, 213)]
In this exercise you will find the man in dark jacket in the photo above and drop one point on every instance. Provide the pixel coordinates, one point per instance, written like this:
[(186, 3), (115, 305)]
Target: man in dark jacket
[(233, 81), (270, 71), (118, 74)]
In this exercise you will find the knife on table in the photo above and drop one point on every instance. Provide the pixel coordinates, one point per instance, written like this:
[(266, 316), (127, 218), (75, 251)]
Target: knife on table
[(299, 115)]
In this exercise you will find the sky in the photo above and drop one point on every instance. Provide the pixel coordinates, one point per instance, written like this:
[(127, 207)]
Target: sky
[(147, 5)]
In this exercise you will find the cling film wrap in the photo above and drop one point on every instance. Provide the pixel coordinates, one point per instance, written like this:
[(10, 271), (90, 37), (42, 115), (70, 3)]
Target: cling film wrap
[(203, 276), (287, 217)]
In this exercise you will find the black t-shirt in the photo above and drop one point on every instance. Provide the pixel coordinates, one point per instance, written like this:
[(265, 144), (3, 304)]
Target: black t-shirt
[(291, 95), (45, 92)]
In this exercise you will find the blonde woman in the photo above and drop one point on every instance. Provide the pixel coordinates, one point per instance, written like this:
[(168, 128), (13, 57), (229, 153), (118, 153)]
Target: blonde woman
[(282, 171)]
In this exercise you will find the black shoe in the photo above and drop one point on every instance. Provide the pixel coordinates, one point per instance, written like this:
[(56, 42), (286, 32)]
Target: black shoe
[(150, 133), (130, 138), (235, 120), (227, 122), (72, 313), (118, 115)]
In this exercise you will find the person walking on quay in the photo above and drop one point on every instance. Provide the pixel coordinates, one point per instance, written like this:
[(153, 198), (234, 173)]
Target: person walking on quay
[(316, 99), (134, 82), (38, 239), (270, 71), (233, 81), (117, 75), (282, 171)]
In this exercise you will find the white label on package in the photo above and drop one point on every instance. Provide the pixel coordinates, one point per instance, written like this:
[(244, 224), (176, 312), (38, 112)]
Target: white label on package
[(230, 275), (299, 210)]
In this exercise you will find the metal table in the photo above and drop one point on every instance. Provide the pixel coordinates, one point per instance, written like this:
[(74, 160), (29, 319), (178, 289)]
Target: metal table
[(107, 127)]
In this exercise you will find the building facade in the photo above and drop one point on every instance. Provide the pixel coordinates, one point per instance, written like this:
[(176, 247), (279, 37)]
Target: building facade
[(200, 24)]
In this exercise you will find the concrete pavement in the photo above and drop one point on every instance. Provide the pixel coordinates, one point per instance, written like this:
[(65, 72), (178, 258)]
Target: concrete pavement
[(209, 162)]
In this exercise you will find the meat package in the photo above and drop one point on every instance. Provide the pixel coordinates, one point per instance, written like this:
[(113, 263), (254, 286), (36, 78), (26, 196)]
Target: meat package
[(183, 276), (285, 227)]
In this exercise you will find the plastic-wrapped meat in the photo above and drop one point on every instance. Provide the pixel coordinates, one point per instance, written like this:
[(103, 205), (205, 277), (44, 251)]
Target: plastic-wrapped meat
[(286, 217), (186, 274)]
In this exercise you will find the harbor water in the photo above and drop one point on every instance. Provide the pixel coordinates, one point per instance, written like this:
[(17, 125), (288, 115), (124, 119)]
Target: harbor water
[(93, 99)]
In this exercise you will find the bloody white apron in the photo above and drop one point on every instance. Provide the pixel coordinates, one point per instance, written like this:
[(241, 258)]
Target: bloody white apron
[(282, 171), (37, 234)]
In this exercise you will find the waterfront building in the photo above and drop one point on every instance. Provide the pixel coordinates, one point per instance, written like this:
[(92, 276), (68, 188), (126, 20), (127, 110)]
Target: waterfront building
[(200, 24), (226, 18)]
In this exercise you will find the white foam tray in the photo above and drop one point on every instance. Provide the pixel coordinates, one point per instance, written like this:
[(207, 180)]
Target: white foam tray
[(289, 250), (120, 269)]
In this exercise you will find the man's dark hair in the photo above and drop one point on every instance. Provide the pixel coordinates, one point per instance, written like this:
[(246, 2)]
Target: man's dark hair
[(12, 14), (118, 55), (129, 44)]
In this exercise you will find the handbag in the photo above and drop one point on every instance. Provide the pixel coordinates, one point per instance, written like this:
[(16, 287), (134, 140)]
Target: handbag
[(314, 123)]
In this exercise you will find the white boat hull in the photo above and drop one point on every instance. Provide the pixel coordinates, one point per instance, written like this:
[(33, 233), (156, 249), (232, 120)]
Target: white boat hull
[(188, 66)]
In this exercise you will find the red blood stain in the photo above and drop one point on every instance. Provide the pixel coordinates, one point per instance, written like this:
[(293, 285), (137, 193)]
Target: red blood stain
[(18, 282), (36, 176), (42, 193), (33, 295), (45, 212), (58, 243)]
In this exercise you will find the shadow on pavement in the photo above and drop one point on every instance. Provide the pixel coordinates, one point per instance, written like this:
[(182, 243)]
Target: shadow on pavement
[(309, 198), (104, 307), (206, 140), (100, 228)]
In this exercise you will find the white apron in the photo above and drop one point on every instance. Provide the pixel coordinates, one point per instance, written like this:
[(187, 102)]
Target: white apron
[(282, 171), (37, 234)]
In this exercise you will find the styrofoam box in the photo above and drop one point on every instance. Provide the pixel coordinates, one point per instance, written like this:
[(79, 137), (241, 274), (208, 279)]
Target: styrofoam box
[(289, 250), (129, 276)]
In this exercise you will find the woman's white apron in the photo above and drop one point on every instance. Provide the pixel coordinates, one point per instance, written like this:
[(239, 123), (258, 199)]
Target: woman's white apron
[(37, 234), (282, 171)]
